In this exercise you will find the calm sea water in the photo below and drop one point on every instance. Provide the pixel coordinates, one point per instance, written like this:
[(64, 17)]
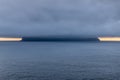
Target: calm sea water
[(59, 61)]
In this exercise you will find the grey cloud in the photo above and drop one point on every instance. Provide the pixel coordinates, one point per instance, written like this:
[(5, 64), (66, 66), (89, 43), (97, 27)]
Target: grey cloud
[(59, 17)]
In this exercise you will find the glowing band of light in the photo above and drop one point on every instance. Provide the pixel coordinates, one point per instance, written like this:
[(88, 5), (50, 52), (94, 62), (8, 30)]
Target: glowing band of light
[(109, 38), (10, 39)]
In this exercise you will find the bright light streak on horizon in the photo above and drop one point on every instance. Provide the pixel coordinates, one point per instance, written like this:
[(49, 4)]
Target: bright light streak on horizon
[(10, 39), (115, 39)]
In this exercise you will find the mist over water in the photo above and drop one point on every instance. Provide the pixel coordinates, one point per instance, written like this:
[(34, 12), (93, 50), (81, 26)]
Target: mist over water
[(59, 61)]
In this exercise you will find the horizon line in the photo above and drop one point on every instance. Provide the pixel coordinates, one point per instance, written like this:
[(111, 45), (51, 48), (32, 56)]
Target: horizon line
[(100, 39)]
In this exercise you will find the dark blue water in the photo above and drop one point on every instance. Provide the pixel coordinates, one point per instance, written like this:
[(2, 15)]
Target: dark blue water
[(59, 61)]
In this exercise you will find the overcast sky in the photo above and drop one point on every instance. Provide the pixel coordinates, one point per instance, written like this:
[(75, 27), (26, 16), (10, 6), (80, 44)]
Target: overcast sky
[(59, 17)]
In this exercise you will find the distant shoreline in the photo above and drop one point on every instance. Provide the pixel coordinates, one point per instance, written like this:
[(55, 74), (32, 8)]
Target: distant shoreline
[(58, 39)]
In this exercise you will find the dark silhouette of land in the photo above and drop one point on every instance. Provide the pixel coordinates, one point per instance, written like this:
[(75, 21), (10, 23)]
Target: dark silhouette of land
[(58, 39)]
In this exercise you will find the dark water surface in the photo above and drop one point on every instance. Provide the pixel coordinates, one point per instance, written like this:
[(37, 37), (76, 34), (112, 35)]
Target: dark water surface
[(59, 61)]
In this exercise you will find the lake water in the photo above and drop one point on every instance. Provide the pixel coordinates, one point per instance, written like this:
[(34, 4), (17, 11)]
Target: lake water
[(59, 61)]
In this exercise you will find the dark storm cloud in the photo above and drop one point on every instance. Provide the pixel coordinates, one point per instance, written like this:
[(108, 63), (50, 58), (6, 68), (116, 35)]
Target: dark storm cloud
[(59, 17)]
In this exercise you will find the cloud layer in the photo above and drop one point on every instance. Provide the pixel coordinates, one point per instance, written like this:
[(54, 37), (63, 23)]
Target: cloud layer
[(59, 17)]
